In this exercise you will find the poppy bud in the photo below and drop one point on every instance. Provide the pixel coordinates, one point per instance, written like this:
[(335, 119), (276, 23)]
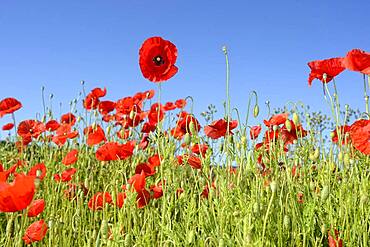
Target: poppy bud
[(286, 222), (50, 223), (190, 236), (316, 154), (82, 82), (132, 114), (295, 118), (312, 186), (346, 159), (108, 129), (256, 111), (324, 193), (364, 199), (187, 139), (104, 229), (224, 49), (256, 208), (332, 134), (273, 186), (10, 227), (128, 239), (323, 229), (243, 140), (192, 128), (340, 156), (221, 243), (288, 125)]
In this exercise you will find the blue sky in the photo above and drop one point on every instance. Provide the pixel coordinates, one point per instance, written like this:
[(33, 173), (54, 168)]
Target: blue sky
[(57, 44)]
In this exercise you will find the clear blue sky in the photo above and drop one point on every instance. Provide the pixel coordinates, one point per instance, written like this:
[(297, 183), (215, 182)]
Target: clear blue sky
[(59, 43)]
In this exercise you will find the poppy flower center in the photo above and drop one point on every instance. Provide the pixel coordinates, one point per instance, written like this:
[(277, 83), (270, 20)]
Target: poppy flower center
[(158, 60)]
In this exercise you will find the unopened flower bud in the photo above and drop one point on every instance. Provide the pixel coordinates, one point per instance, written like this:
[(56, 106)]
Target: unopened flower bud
[(273, 186), (104, 229), (324, 193), (288, 125), (295, 119), (132, 114), (190, 236), (187, 139), (256, 111), (286, 222), (346, 159), (340, 156)]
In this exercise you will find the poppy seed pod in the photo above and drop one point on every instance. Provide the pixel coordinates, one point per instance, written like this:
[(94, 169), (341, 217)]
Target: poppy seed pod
[(256, 111), (324, 193)]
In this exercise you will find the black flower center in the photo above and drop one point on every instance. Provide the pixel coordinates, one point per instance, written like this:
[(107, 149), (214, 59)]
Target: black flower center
[(158, 60)]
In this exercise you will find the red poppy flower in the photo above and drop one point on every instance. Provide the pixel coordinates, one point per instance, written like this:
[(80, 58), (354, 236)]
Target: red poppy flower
[(156, 114), (8, 106), (4, 174), (358, 60), (144, 142), (276, 119), (30, 128), (98, 200), (66, 175), (157, 59), (180, 103), (194, 161), (35, 232), (38, 167), (8, 126), (255, 131), (200, 149), (146, 168), (183, 125), (17, 195), (92, 99), (106, 107), (149, 94), (343, 130), (114, 151), (157, 191), (95, 135), (52, 125), (360, 135), (169, 106), (63, 133), (138, 181), (331, 67), (218, 128), (68, 118), (142, 198), (334, 241), (120, 199), (36, 207), (71, 157)]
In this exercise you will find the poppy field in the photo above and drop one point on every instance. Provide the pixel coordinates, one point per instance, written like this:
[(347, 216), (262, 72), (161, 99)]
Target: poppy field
[(137, 171)]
